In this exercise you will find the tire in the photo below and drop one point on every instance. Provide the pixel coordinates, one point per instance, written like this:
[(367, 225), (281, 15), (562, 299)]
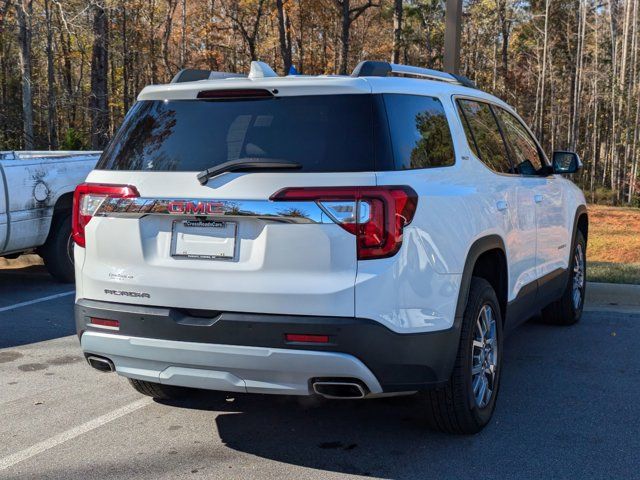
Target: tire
[(566, 310), (57, 252), (159, 391), (457, 407)]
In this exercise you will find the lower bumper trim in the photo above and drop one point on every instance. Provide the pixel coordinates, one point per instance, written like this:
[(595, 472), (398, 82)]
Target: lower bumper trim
[(229, 368)]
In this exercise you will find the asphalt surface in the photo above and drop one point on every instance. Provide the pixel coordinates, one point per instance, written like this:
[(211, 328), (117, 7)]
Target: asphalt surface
[(568, 408)]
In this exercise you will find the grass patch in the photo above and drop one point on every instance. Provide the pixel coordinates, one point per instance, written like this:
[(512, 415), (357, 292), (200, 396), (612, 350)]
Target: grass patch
[(614, 234), (609, 272), (613, 251)]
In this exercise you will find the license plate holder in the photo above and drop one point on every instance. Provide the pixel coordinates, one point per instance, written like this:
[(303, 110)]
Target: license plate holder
[(203, 239)]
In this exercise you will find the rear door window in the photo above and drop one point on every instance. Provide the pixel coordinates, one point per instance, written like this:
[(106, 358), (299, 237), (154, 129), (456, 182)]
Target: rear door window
[(483, 135), (523, 148), (324, 133), (420, 134)]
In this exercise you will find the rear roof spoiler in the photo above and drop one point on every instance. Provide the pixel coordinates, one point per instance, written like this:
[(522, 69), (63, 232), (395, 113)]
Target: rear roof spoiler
[(258, 70), (193, 74)]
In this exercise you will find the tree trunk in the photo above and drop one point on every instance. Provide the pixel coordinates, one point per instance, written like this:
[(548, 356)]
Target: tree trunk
[(285, 36), (51, 88), (543, 73), (168, 25), (24, 10), (397, 31), (183, 38), (345, 27), (505, 27), (594, 128), (212, 61), (301, 38), (125, 59), (65, 43), (152, 42), (98, 98)]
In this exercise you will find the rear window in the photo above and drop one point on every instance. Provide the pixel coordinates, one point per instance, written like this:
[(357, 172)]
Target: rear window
[(323, 133)]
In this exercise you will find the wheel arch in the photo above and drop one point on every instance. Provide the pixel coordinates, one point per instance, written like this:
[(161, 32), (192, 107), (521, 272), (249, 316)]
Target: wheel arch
[(486, 258), (580, 223), (61, 208), (64, 203)]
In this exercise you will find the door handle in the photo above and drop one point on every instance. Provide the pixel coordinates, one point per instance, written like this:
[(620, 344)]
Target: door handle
[(538, 198), (502, 205)]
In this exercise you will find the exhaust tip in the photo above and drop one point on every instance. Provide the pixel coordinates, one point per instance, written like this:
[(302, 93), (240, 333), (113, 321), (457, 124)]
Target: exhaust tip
[(339, 390), (101, 364)]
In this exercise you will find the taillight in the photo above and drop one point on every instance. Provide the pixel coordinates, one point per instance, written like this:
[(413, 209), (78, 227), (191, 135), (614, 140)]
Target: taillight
[(88, 198), (375, 215)]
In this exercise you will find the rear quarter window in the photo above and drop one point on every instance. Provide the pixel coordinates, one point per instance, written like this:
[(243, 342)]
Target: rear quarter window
[(420, 134)]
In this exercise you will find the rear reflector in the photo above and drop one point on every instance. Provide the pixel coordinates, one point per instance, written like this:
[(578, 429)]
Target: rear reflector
[(302, 338), (375, 215), (104, 323)]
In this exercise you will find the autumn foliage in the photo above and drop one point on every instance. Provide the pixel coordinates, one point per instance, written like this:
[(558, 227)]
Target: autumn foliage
[(71, 69)]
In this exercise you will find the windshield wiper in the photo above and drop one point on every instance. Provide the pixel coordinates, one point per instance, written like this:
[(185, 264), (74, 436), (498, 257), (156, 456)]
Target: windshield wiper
[(247, 163)]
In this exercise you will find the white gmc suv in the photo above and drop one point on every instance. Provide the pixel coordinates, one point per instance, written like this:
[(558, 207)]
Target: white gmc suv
[(345, 236)]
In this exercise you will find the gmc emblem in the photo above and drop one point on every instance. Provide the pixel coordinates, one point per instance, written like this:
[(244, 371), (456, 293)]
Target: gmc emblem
[(188, 207)]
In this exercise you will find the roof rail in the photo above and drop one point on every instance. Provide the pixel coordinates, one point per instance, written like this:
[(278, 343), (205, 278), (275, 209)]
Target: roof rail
[(369, 68)]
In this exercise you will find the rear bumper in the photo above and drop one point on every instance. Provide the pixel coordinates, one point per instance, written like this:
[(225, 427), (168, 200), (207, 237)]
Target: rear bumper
[(248, 352)]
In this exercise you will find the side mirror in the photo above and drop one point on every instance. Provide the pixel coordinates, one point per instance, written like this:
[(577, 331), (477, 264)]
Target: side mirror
[(566, 162)]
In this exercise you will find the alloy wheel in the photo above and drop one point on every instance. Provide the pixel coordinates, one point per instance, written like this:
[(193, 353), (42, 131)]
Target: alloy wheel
[(578, 277), (484, 356)]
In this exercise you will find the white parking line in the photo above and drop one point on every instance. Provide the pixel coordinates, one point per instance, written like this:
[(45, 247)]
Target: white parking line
[(56, 440), (37, 300)]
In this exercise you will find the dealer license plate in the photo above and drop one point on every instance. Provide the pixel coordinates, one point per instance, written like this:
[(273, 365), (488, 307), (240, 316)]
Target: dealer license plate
[(203, 239)]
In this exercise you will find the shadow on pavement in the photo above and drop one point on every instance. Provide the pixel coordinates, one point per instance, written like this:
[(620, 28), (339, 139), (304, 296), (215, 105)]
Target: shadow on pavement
[(565, 410), (37, 322)]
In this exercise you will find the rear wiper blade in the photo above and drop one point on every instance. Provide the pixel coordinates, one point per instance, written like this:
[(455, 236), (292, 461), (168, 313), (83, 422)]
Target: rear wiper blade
[(247, 163)]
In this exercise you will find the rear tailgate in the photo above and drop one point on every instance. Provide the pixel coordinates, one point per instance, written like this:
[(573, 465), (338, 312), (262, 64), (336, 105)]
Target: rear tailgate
[(263, 256), (288, 258)]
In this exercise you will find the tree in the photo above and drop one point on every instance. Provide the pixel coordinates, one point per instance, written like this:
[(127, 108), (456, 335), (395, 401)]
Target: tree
[(98, 98), (570, 67), (168, 25), (502, 9), (24, 12), (348, 15), (397, 31), (51, 88), (284, 31), (248, 23)]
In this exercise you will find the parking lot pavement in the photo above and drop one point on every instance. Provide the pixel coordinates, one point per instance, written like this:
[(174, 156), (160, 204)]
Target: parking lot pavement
[(567, 409)]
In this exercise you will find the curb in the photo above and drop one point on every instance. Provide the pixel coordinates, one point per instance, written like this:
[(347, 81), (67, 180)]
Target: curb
[(613, 296)]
